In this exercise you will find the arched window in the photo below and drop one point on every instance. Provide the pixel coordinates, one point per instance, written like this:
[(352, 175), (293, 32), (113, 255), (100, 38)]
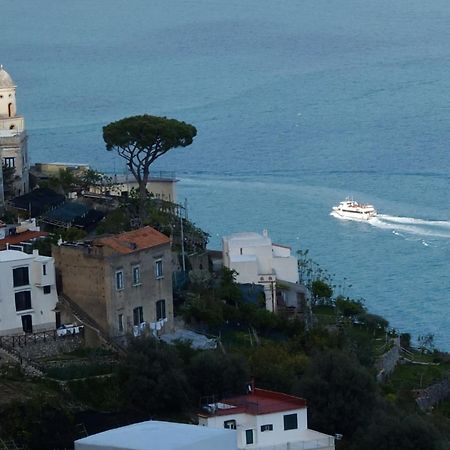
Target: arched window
[(10, 109)]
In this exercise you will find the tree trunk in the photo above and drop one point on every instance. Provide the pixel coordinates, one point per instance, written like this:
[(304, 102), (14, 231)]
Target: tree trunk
[(142, 200)]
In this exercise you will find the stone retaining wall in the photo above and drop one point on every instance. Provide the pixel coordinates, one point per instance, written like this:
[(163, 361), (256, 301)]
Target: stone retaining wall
[(434, 394), (48, 348), (386, 363)]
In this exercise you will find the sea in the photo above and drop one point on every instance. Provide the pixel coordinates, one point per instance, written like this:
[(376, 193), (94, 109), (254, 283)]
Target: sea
[(298, 104)]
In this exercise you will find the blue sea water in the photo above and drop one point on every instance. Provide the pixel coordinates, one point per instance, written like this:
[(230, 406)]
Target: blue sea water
[(298, 103)]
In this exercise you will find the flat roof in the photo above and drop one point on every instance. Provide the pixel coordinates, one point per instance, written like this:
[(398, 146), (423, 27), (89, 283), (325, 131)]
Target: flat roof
[(249, 239), (13, 255), (258, 402), (152, 435)]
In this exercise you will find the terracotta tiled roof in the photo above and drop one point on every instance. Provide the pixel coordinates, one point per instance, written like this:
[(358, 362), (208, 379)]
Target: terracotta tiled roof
[(134, 241), (21, 237), (260, 401)]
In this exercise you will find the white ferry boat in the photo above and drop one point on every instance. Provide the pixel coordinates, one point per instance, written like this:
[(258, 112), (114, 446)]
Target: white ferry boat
[(349, 209)]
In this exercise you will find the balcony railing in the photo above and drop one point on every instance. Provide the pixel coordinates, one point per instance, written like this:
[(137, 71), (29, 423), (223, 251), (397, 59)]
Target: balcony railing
[(316, 444), (155, 175), (12, 139)]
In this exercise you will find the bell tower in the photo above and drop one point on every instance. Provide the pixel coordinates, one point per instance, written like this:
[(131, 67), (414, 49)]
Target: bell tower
[(13, 140)]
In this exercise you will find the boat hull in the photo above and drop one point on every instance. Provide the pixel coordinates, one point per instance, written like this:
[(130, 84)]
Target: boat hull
[(352, 210), (360, 217)]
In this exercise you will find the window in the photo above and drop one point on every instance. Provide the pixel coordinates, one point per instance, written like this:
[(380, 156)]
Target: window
[(249, 437), (20, 276), (119, 280), (138, 315), (47, 289), (120, 321), (9, 162), (160, 309), (230, 424), (23, 300), (268, 427), (44, 269), (136, 275), (158, 268), (290, 422)]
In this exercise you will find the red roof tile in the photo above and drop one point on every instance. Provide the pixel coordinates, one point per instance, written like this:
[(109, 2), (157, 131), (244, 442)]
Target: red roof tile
[(134, 241), (261, 401), (21, 237)]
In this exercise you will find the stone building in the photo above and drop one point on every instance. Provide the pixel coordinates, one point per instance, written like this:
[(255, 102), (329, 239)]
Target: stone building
[(123, 282), (13, 137)]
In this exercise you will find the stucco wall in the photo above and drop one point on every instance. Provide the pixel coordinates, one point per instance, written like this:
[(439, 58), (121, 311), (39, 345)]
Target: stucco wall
[(254, 422), (42, 305), (286, 269)]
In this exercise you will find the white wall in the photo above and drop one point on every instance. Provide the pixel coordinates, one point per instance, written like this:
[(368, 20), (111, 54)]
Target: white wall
[(246, 422), (279, 435), (286, 269), (247, 270), (253, 255), (42, 305)]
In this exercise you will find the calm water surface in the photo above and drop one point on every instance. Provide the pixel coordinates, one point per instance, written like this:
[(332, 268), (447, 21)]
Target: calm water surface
[(297, 103)]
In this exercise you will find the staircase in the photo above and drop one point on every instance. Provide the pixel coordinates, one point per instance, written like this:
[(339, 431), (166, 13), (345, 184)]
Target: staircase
[(29, 367), (88, 321)]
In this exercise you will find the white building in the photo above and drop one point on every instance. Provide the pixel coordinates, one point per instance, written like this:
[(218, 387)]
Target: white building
[(257, 260), (161, 185), (155, 435), (13, 137), (266, 420), (27, 292)]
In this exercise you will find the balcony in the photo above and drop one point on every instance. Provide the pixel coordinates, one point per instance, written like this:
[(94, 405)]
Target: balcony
[(12, 138), (155, 175)]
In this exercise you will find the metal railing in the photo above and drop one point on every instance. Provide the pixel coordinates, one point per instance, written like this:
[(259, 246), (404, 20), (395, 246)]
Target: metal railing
[(22, 340), (316, 444)]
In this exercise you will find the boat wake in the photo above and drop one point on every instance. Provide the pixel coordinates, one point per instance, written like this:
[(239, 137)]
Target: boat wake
[(402, 226)]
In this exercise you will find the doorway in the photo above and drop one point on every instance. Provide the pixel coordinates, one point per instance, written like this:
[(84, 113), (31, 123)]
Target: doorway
[(27, 323)]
